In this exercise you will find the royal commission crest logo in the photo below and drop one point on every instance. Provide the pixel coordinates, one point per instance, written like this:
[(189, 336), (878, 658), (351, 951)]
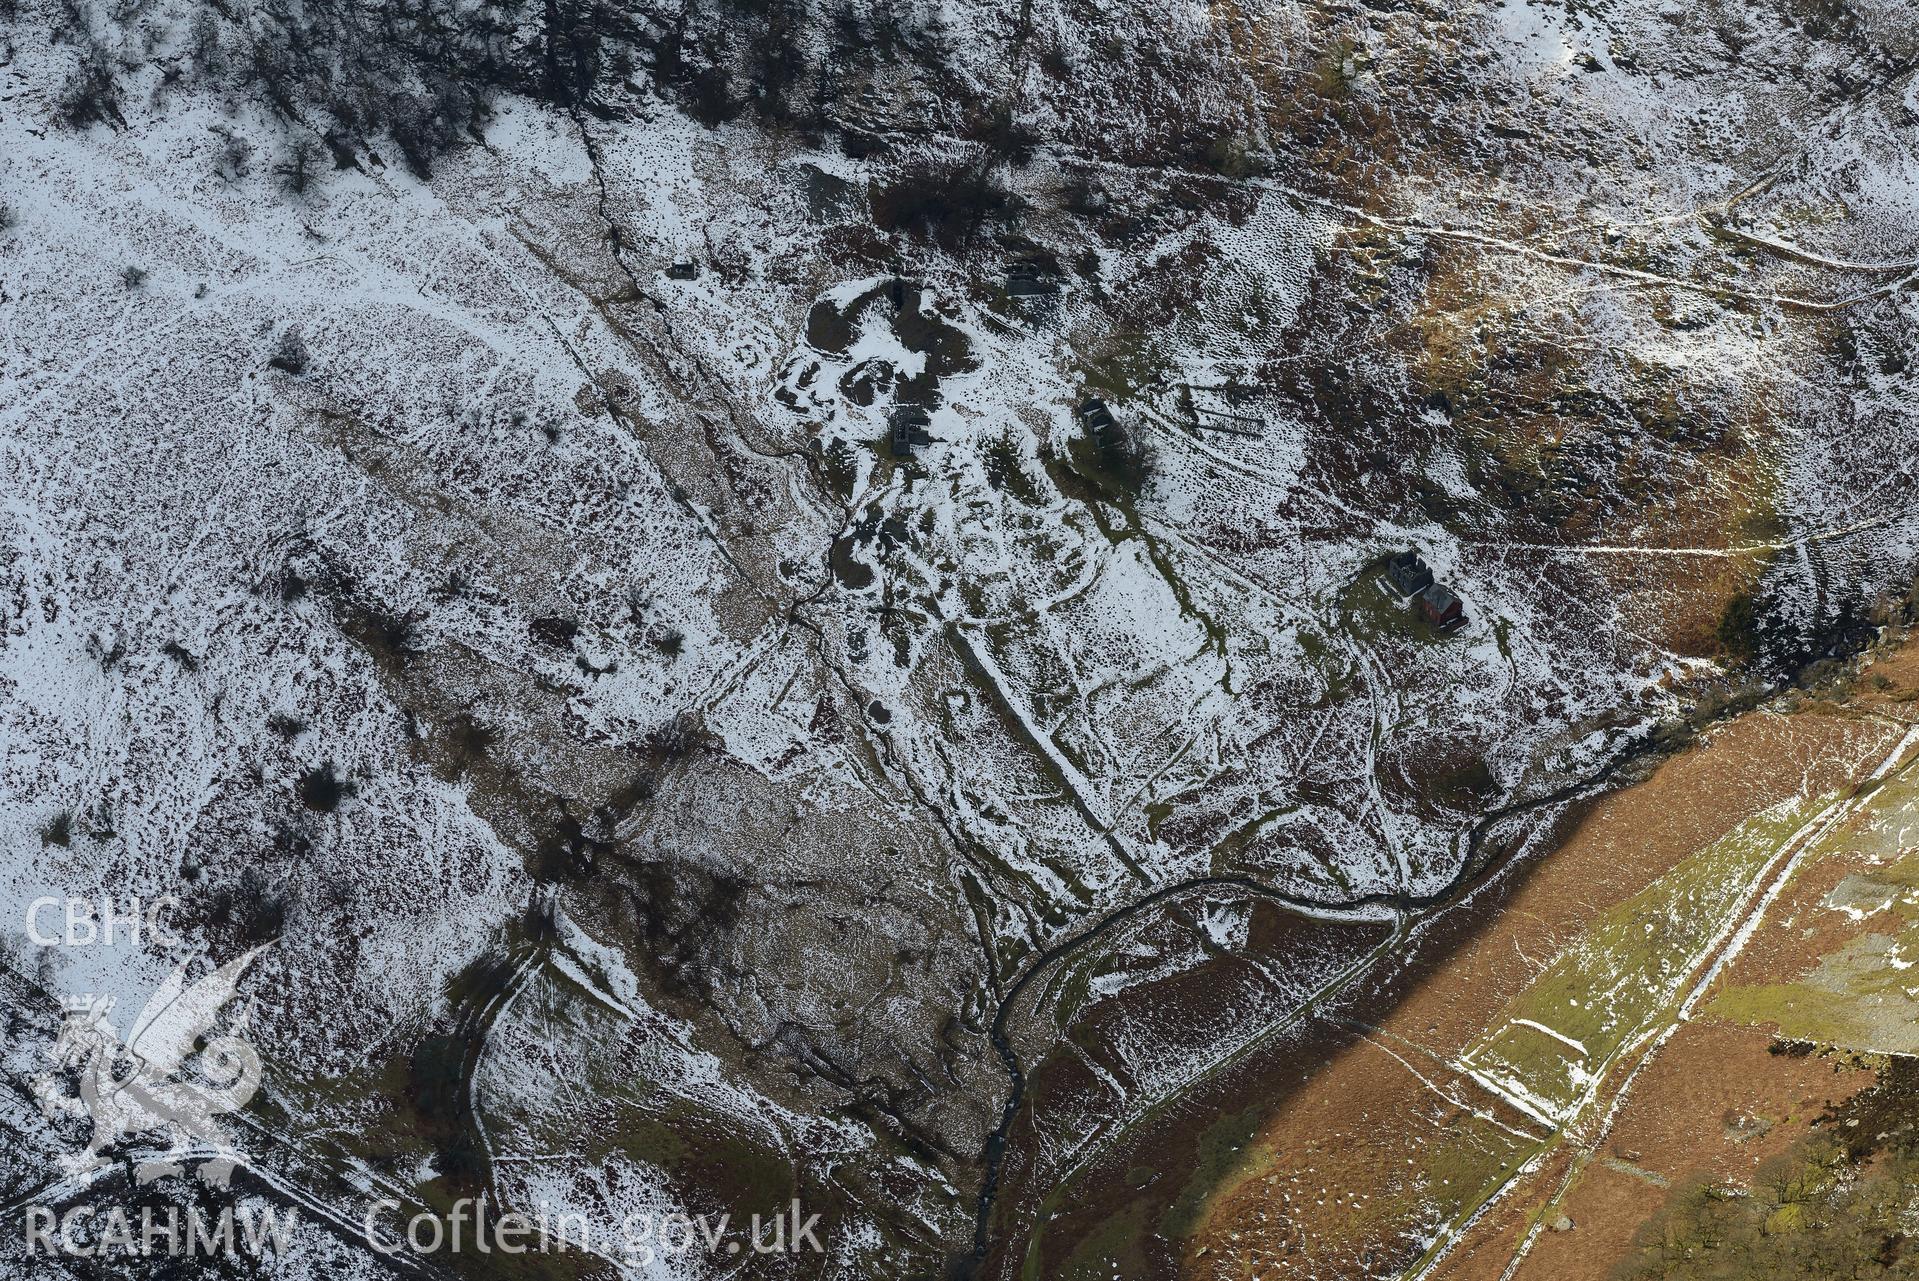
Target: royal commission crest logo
[(175, 1070)]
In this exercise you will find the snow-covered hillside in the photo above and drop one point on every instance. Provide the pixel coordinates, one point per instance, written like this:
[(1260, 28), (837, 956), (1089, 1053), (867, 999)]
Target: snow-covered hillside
[(481, 561)]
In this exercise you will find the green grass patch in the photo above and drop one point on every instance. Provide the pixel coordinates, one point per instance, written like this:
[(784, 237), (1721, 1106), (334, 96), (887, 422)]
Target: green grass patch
[(1627, 969)]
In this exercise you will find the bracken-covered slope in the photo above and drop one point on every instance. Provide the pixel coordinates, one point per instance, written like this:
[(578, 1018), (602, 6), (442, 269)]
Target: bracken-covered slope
[(454, 529)]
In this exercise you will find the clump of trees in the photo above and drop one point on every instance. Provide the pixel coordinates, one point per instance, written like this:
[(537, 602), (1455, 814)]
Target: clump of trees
[(1839, 1203), (1792, 620), (354, 77), (91, 95), (1810, 1213), (945, 201)]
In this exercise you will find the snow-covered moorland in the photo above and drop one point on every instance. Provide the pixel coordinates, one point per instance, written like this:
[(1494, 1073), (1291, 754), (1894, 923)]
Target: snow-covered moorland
[(453, 530)]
